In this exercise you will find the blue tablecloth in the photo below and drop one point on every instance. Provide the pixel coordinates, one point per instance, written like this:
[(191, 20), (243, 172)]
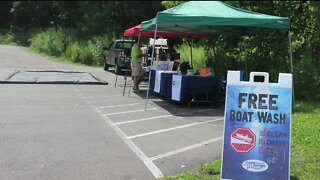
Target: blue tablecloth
[(190, 85), (165, 84)]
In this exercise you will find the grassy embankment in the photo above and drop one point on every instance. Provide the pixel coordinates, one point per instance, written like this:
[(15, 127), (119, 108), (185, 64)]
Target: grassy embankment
[(89, 51), (305, 142), (68, 45)]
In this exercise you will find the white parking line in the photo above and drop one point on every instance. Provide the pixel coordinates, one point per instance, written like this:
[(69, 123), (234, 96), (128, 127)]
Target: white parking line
[(125, 112), (177, 151), (92, 97), (148, 163), (120, 105), (174, 128), (144, 119), (157, 117)]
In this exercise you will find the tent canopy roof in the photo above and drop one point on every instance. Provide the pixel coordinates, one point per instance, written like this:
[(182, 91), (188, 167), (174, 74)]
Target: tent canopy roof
[(212, 17), (135, 31)]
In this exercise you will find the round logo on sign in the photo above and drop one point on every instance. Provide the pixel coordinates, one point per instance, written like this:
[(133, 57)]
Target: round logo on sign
[(255, 165), (243, 140)]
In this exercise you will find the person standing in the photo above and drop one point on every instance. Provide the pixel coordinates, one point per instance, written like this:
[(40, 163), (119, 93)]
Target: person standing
[(172, 55), (208, 69), (136, 68), (171, 52)]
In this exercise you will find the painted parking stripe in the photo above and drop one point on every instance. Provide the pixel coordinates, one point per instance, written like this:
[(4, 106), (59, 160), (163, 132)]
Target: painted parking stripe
[(177, 151), (157, 117), (106, 96), (120, 105), (125, 112), (148, 163), (174, 128), (144, 119)]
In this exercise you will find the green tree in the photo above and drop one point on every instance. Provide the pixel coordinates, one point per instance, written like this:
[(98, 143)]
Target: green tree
[(268, 51), (5, 15)]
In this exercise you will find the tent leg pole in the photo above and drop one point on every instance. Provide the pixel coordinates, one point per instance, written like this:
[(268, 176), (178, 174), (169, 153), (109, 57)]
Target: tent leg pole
[(130, 86), (291, 64), (153, 49), (139, 37), (125, 81), (115, 84), (125, 78)]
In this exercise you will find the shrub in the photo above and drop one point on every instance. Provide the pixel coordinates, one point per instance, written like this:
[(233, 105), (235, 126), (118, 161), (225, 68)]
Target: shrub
[(198, 55), (75, 49), (49, 41), (184, 175), (85, 55), (72, 52), (7, 39), (212, 167), (95, 46)]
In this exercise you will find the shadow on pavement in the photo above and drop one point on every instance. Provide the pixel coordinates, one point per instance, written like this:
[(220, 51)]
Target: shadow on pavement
[(181, 108)]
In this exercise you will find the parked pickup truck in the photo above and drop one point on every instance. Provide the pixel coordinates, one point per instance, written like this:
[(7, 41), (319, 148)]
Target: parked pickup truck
[(118, 55)]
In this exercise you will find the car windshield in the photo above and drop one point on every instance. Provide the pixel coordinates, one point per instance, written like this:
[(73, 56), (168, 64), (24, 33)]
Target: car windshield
[(123, 45)]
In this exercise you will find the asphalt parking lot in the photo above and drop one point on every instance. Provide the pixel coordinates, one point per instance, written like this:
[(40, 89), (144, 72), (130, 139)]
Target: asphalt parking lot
[(168, 138), (94, 132)]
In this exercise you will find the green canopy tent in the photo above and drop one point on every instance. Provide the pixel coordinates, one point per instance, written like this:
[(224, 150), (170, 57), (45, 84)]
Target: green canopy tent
[(214, 17)]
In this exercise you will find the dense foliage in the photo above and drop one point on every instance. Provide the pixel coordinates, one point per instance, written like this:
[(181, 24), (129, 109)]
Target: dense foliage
[(87, 26)]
